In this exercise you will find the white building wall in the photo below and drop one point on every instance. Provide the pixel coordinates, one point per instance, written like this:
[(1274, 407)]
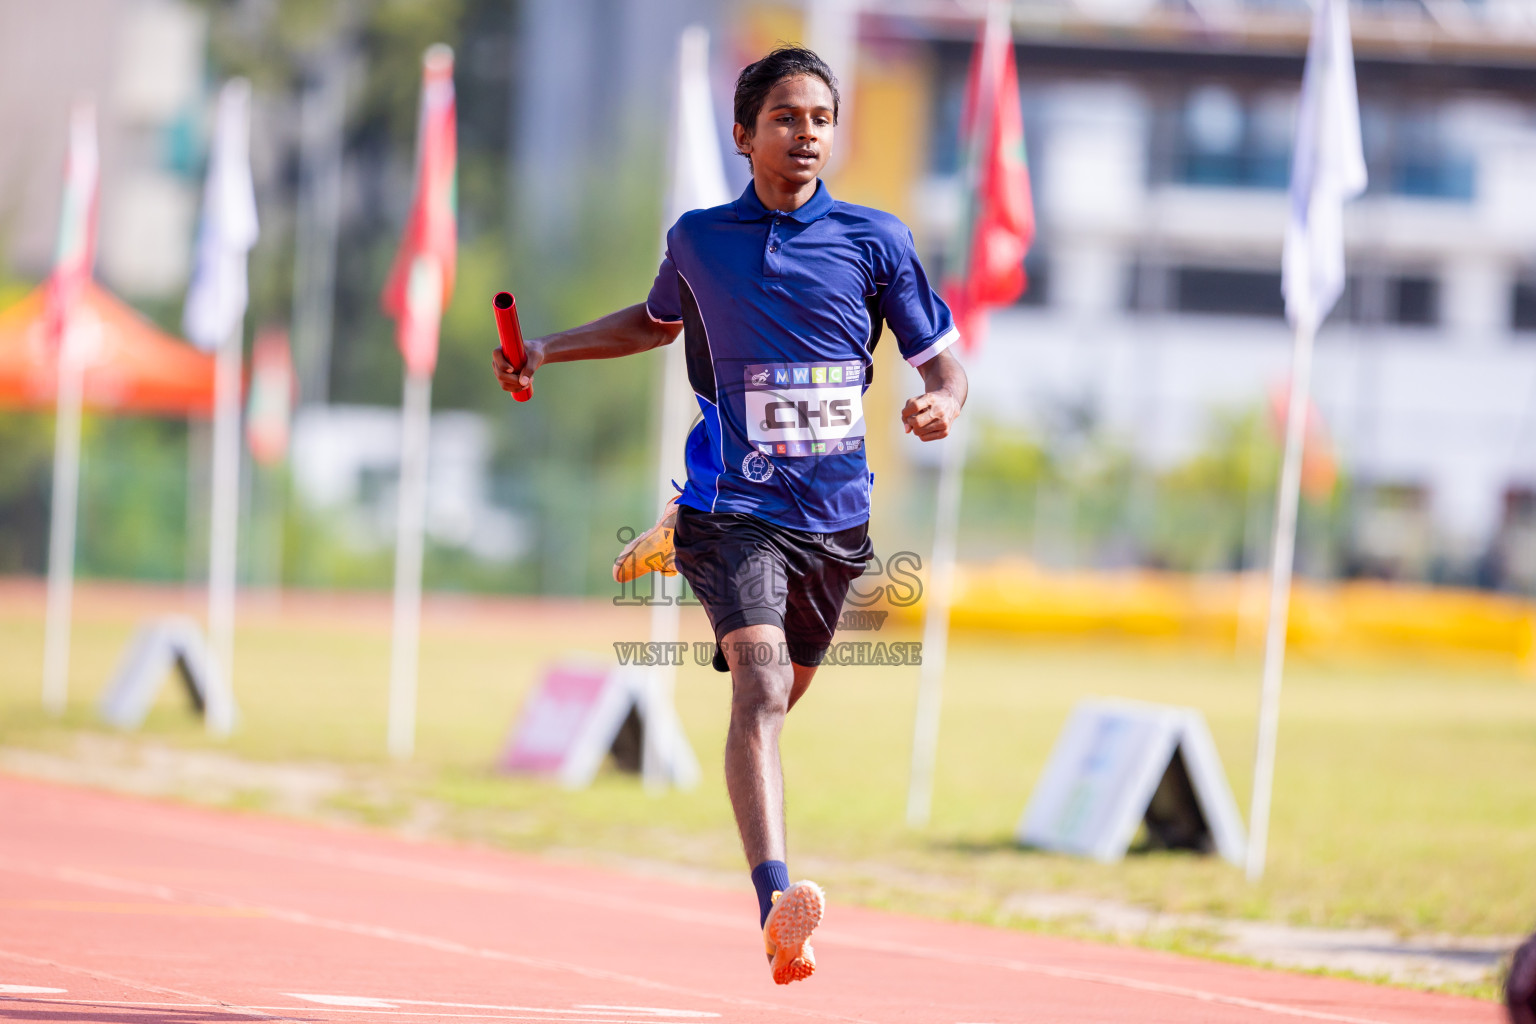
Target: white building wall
[(338, 449), (143, 62), (1451, 408)]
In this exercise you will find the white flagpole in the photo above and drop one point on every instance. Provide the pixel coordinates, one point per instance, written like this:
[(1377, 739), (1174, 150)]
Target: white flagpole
[(223, 539), (1279, 599), (930, 685), (941, 579), (1328, 170), (61, 532), (73, 260), (697, 181), (666, 615), (416, 422)]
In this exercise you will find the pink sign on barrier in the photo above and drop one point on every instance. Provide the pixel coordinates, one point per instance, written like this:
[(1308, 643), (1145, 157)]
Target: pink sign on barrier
[(553, 718)]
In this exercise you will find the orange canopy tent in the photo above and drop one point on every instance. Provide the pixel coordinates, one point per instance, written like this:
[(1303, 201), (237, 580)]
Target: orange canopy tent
[(131, 365)]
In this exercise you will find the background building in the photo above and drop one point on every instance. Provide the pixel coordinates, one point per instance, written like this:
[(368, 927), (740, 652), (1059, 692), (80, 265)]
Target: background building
[(1159, 137)]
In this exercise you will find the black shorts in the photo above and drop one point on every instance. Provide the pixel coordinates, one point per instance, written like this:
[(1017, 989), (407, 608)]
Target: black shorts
[(749, 572)]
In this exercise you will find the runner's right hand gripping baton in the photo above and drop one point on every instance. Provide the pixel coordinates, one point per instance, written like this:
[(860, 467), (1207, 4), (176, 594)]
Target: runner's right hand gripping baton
[(511, 338)]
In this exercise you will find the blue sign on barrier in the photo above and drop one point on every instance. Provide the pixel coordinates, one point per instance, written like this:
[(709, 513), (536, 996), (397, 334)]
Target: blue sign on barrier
[(1119, 765), (159, 647)]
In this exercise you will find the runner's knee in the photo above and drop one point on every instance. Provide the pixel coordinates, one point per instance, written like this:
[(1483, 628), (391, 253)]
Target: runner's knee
[(760, 689)]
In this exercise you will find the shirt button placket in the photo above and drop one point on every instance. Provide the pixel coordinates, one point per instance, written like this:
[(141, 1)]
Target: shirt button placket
[(771, 257)]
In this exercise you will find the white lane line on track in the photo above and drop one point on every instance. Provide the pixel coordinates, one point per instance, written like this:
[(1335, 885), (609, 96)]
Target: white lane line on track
[(441, 945), (310, 1011), (1096, 977), (202, 1002), (653, 1010), (30, 990), (487, 1015), (484, 1015), (390, 1002)]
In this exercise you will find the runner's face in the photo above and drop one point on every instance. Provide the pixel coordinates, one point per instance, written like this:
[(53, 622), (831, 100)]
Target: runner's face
[(793, 135)]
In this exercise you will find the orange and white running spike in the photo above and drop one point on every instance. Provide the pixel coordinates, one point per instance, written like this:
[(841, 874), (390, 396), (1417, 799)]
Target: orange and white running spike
[(796, 913), (651, 551)]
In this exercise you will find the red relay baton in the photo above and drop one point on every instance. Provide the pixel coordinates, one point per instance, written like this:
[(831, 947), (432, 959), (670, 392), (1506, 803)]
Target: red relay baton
[(511, 338)]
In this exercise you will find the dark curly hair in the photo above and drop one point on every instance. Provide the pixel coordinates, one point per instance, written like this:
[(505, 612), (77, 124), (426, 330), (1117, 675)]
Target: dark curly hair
[(757, 80)]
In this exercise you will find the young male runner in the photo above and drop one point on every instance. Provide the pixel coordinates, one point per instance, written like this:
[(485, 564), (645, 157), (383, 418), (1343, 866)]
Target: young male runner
[(783, 294)]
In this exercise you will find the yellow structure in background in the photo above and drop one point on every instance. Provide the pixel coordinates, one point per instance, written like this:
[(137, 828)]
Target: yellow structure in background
[(885, 144), (1352, 617)]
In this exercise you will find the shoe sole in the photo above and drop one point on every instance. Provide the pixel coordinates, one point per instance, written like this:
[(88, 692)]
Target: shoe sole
[(790, 924), (654, 556)]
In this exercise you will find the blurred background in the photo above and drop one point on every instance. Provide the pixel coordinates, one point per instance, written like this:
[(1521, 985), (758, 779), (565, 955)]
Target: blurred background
[(1127, 404), (1119, 495)]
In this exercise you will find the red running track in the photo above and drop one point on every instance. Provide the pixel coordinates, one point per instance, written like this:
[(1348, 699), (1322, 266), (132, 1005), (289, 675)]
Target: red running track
[(128, 911)]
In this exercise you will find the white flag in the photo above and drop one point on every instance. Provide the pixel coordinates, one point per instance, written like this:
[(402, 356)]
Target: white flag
[(217, 297), (697, 176), (1327, 170)]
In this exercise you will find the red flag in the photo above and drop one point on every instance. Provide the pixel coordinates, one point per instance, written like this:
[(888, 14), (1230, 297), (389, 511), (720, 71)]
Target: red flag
[(421, 280), (998, 224), (75, 253)]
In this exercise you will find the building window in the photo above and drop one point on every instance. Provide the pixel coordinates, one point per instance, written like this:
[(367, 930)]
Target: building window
[(1410, 152), (1228, 139), (1229, 292), (1414, 301), (1523, 311), (1037, 271), (1215, 134), (1374, 297)]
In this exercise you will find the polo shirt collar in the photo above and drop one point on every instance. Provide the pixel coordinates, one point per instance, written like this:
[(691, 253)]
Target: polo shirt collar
[(750, 207)]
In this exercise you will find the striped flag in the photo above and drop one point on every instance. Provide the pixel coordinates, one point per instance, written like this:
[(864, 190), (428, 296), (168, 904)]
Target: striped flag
[(75, 254), (217, 297), (269, 406), (998, 223), (1327, 170), (421, 280)]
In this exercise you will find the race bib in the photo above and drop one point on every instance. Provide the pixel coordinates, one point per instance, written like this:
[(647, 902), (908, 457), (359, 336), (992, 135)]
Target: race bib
[(796, 409)]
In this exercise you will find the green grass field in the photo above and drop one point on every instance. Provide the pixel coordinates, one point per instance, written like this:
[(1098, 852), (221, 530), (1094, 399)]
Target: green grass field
[(1404, 793)]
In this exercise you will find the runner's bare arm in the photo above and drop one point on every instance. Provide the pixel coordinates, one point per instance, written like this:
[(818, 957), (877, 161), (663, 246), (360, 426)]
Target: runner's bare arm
[(930, 414), (626, 332)]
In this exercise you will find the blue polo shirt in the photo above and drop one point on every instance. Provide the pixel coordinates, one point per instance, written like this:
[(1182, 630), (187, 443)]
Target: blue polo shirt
[(781, 313)]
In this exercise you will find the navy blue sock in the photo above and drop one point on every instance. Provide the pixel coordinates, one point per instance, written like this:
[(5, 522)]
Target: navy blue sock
[(769, 877)]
